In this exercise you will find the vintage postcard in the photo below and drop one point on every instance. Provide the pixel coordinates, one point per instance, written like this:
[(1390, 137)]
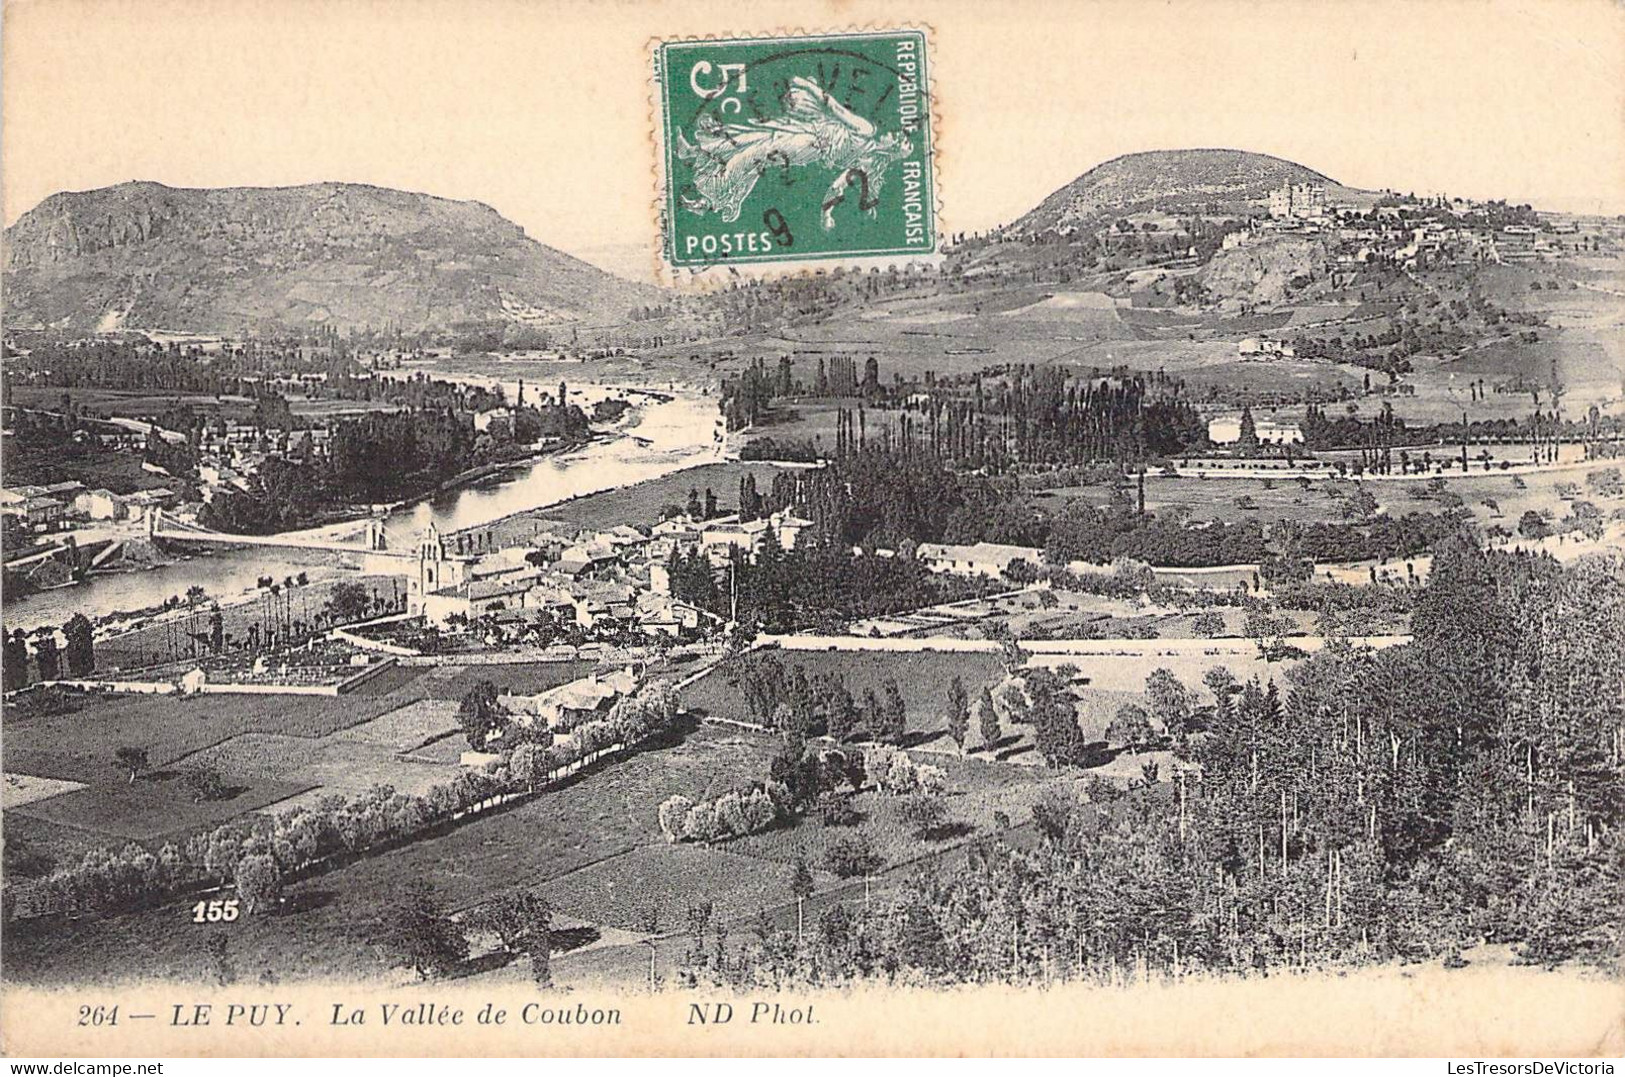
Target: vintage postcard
[(535, 527)]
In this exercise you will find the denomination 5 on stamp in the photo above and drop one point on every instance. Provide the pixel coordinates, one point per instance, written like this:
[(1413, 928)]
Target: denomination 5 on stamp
[(785, 149)]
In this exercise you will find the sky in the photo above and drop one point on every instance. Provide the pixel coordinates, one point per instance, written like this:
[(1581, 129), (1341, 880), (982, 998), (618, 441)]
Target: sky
[(543, 109)]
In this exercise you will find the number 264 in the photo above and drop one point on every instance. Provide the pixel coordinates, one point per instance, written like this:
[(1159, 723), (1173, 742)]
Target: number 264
[(213, 912)]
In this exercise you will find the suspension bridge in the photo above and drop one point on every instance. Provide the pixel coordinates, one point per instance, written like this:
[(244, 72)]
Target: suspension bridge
[(374, 540)]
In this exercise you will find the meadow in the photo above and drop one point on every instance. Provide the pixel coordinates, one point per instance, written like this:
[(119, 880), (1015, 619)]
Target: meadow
[(923, 678)]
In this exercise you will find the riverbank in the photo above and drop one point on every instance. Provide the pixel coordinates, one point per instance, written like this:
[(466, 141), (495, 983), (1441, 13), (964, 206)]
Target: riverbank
[(671, 432)]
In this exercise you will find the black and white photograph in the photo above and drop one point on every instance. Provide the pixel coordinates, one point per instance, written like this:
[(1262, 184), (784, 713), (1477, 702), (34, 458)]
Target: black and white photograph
[(1033, 528)]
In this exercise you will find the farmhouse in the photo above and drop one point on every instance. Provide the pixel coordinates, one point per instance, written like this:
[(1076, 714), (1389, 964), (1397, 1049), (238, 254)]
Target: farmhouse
[(1226, 430), (1265, 348), (569, 705), (981, 559)]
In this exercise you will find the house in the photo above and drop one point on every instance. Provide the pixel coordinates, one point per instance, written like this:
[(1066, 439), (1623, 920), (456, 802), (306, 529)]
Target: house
[(501, 418), (600, 605), (32, 508), (659, 614), (1298, 200), (144, 502), (1265, 348), (727, 533), (1226, 430), (64, 492), (585, 560), (99, 505), (980, 559), (477, 597), (569, 705)]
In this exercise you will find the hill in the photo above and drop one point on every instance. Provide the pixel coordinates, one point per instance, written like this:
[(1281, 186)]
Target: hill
[(146, 256), (1170, 180)]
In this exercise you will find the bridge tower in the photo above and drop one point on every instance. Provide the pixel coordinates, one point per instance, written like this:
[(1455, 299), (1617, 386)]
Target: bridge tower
[(376, 539), (152, 517)]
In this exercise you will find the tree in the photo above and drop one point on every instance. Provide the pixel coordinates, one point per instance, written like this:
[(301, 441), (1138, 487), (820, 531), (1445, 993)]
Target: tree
[(132, 759), (258, 882), (958, 712), (479, 714), (1209, 624), (522, 921), (1248, 442), (841, 714), (47, 656), (15, 662), (894, 712), (419, 933), (988, 718), (1169, 701), (218, 947), (1052, 813), (80, 653), (1532, 526), (348, 602), (673, 816), (205, 783), (1130, 727), (851, 856), (801, 885), (923, 813)]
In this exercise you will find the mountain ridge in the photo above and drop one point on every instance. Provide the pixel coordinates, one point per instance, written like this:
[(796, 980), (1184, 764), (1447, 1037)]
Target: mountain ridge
[(144, 255)]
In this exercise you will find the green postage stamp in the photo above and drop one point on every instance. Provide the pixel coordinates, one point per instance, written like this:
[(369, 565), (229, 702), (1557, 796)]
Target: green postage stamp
[(788, 149)]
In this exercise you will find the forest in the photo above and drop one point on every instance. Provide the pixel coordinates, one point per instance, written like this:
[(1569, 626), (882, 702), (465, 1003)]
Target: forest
[(1403, 804)]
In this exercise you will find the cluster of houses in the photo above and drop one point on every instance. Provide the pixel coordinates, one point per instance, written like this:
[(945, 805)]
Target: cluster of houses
[(230, 453), (1412, 234), (602, 582), (36, 509)]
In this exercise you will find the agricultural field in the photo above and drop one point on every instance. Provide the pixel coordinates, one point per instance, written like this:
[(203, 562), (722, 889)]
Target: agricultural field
[(922, 676), (271, 751), (79, 746), (511, 678), (641, 503), (593, 845), (623, 891), (152, 810), (334, 918), (1105, 681), (1265, 500)]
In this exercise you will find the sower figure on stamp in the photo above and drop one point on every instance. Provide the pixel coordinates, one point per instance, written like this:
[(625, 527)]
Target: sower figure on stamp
[(815, 129)]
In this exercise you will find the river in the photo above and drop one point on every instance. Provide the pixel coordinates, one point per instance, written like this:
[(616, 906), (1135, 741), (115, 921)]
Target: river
[(657, 437)]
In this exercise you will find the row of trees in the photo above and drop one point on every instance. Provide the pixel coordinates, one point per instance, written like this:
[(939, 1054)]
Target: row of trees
[(76, 658)]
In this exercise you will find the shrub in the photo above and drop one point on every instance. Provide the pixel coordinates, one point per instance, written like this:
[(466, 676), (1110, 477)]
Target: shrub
[(836, 810), (923, 813), (701, 823), (730, 814), (760, 811), (674, 816), (258, 882), (851, 856)]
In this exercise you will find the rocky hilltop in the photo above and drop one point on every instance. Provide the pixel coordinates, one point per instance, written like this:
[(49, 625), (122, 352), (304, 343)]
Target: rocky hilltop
[(1170, 180), (147, 256)]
